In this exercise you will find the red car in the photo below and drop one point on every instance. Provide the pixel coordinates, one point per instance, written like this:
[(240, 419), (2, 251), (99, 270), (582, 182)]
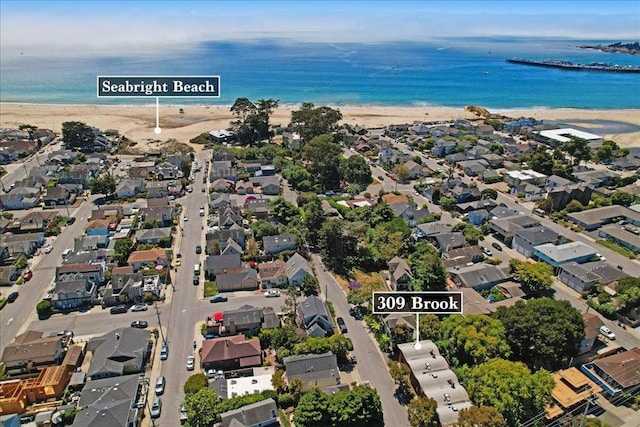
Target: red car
[(27, 276)]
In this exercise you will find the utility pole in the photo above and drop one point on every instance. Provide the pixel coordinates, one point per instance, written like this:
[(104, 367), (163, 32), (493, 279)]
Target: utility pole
[(586, 409), (155, 305)]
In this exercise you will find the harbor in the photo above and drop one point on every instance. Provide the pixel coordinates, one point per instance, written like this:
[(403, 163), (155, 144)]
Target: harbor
[(597, 67)]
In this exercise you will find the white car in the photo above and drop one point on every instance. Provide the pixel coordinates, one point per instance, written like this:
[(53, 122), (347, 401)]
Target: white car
[(48, 249), (272, 293), (190, 363), (607, 332), (185, 219), (139, 307)]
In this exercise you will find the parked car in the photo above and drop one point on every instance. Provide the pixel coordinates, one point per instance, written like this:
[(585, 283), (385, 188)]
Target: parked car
[(607, 332), (139, 307), (48, 249), (497, 246), (191, 361), (140, 324), (12, 297), (164, 352), (118, 309), (196, 279), (342, 325), (198, 249), (160, 384), (27, 276), (156, 407), (487, 251), (185, 218), (272, 293), (218, 298), (183, 414)]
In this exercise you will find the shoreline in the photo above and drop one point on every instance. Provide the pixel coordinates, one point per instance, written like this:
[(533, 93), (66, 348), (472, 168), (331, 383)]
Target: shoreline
[(137, 122)]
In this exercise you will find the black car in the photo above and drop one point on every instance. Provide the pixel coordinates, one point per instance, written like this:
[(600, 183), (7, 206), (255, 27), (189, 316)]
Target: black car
[(118, 309), (497, 246), (12, 297), (140, 324), (342, 325), (196, 280), (198, 249)]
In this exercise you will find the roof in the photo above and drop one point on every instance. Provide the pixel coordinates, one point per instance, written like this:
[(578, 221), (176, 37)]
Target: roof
[(448, 241), (537, 235), (592, 323), (230, 348), (119, 350), (153, 233), (278, 240), (623, 367), (565, 252), (223, 262), (599, 215), (244, 315), (313, 307), (272, 270), (598, 271), (296, 263), (251, 415), (572, 387), (621, 234), (33, 345), (481, 274), (78, 268), (149, 255), (311, 367), (235, 278)]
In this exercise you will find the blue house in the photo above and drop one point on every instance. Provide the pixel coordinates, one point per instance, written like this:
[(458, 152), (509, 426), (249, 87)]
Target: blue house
[(556, 255), (477, 217), (97, 227)]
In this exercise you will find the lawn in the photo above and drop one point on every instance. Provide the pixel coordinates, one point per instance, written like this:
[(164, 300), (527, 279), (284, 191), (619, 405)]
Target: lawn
[(210, 289), (371, 281), (619, 249)]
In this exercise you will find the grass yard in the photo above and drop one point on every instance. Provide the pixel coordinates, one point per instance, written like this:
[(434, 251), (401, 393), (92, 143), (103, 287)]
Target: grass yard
[(210, 289), (619, 249)]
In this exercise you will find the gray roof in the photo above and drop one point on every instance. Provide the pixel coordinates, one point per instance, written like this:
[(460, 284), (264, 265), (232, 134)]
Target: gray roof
[(621, 234), (278, 240), (225, 280), (502, 212), (599, 215), (244, 315), (481, 274), (565, 252), (223, 262), (477, 204), (119, 350), (537, 235), (261, 413), (153, 233), (598, 271), (560, 181), (110, 389), (313, 307), (448, 241), (432, 228), (310, 367), (296, 263)]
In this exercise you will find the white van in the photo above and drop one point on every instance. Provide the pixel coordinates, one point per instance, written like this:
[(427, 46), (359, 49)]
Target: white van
[(66, 253), (196, 269)]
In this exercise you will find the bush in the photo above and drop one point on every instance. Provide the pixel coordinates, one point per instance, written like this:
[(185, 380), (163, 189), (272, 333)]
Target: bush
[(44, 308), (148, 298), (3, 302), (195, 383), (607, 310)]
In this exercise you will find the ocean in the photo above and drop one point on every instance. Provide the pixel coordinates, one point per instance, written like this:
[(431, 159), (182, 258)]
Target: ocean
[(452, 72)]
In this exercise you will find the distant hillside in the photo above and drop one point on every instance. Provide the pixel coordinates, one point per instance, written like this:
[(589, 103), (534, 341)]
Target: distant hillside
[(631, 48)]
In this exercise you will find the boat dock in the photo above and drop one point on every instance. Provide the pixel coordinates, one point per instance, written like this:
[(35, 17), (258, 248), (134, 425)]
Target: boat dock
[(597, 67)]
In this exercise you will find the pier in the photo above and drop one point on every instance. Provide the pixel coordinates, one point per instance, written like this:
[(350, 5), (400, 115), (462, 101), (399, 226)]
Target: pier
[(596, 67)]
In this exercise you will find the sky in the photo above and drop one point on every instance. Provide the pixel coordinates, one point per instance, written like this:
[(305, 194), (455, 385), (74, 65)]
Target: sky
[(59, 27)]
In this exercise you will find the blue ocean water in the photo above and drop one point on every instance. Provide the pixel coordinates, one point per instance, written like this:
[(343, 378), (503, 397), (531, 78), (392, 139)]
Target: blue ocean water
[(453, 72)]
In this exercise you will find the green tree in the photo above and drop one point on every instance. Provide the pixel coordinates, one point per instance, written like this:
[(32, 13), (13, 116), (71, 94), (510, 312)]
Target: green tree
[(355, 170), (542, 332), (311, 121), (105, 185), (337, 245), (401, 172), (313, 410), (31, 131), (202, 408), (472, 235), (489, 193), (628, 293), (429, 273), (324, 158), (574, 206), (535, 276), (195, 383), (246, 120), (314, 219), (422, 412), (545, 204), (265, 108), (448, 203), (77, 135), (309, 285), (579, 149), (510, 388), (278, 337), (400, 374), (430, 327), (358, 407), (283, 211), (121, 250), (44, 308), (476, 416), (473, 339), (298, 177), (277, 381), (496, 148), (541, 161), (622, 198)]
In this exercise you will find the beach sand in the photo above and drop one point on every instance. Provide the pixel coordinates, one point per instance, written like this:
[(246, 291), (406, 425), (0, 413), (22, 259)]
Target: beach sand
[(138, 122)]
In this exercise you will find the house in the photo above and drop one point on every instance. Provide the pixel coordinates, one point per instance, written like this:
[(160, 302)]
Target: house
[(154, 236), (596, 178), (627, 236), (72, 294), (215, 265), (592, 324), (519, 179), (222, 236), (472, 167), (479, 276), (569, 395), (463, 256), (118, 401), (399, 274), (431, 376), (260, 414), (555, 181), (249, 319), (90, 243), (31, 351), (313, 370), (163, 216), (156, 256), (505, 227), (76, 176), (157, 189), (494, 160), (584, 276), (490, 176), (297, 267), (230, 353), (616, 373), (18, 201), (561, 196), (167, 171), (273, 245), (273, 274), (142, 169), (129, 187), (122, 351), (244, 280), (98, 227), (429, 229), (16, 396), (231, 248), (34, 222), (478, 216), (442, 147), (525, 239), (270, 187), (17, 244), (89, 272), (531, 192), (58, 196), (448, 241), (592, 219), (314, 317), (556, 255), (414, 169)]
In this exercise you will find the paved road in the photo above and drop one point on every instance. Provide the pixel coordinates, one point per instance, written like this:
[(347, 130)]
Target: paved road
[(372, 364)]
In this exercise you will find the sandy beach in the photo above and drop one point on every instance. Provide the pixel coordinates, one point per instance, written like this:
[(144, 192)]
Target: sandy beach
[(138, 122)]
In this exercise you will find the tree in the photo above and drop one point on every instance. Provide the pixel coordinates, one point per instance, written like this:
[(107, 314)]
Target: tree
[(77, 135), (121, 250), (402, 172), (323, 155), (541, 161), (399, 373), (489, 193), (472, 235), (574, 206), (44, 308), (545, 204), (579, 149), (195, 383), (429, 273), (511, 389), (355, 170), (265, 107), (496, 148), (105, 185), (358, 407), (485, 416), (542, 332), (202, 408), (430, 327), (622, 198), (535, 276), (31, 130), (314, 219), (282, 210), (277, 381), (309, 285), (473, 339), (313, 410), (298, 177), (311, 122), (337, 245), (422, 412)]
